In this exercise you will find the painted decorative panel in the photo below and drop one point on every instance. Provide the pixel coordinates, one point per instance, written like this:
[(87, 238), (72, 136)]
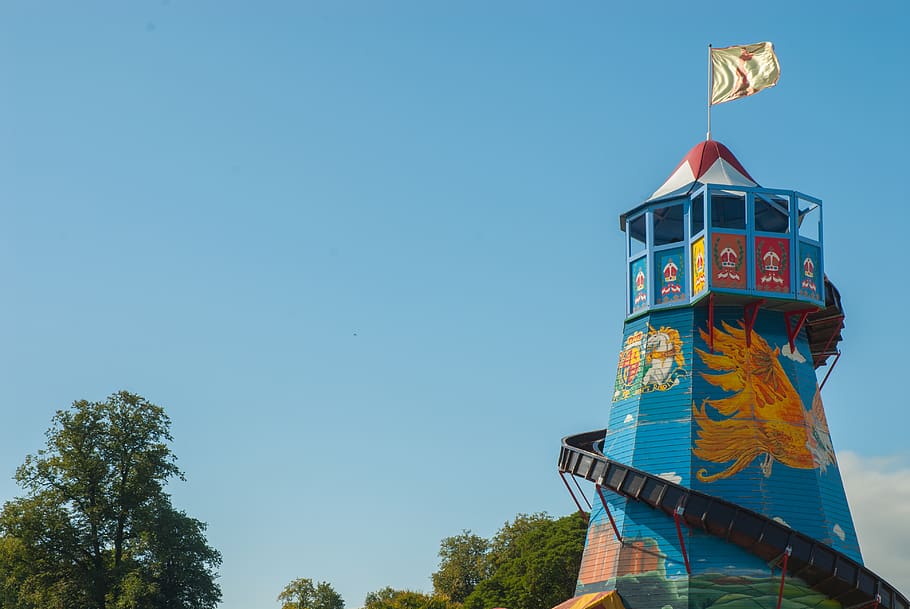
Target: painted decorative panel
[(650, 361), (772, 264), (670, 277), (728, 261), (699, 281), (759, 427), (638, 274), (628, 372), (700, 409), (809, 271)]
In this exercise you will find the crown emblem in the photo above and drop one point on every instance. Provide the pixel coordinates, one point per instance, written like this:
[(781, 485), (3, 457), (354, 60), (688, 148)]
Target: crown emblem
[(809, 267), (670, 271), (771, 262)]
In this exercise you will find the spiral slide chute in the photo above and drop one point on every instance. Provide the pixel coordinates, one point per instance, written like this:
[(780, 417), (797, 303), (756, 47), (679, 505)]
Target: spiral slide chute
[(823, 568)]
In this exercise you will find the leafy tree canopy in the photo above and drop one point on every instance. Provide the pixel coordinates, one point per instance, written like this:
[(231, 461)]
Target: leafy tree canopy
[(462, 565), (389, 598), (531, 563), (302, 593), (95, 528)]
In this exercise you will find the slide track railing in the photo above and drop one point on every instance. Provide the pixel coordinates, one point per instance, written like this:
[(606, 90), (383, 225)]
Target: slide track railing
[(819, 565)]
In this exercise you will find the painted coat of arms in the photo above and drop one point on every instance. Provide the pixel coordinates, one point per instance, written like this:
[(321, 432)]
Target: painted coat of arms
[(652, 361)]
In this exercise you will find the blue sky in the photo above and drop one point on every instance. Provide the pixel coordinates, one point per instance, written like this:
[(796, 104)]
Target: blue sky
[(355, 247)]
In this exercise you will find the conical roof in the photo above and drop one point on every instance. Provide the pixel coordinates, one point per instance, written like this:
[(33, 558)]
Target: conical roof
[(709, 162)]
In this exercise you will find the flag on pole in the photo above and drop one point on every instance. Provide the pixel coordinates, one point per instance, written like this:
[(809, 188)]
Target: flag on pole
[(742, 70)]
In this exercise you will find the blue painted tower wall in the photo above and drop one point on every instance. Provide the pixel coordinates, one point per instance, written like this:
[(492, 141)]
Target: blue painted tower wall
[(742, 423)]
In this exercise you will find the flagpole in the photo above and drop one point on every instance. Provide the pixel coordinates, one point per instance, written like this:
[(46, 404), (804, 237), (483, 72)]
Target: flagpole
[(710, 88)]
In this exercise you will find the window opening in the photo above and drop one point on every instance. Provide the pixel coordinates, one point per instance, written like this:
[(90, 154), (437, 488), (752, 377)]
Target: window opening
[(669, 224), (697, 214), (638, 240), (810, 218), (728, 210), (772, 213)]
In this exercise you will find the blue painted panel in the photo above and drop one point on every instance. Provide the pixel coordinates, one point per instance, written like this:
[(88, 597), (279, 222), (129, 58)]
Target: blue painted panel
[(670, 278), (638, 285), (810, 283)]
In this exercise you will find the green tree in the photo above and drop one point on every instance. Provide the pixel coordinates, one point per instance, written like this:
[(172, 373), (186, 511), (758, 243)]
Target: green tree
[(302, 593), (533, 563), (463, 564), (96, 528), (389, 598), (173, 560)]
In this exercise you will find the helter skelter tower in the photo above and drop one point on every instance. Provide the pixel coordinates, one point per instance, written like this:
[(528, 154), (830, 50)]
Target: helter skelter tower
[(716, 484)]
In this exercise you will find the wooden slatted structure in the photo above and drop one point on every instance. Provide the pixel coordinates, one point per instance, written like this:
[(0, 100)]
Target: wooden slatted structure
[(822, 567)]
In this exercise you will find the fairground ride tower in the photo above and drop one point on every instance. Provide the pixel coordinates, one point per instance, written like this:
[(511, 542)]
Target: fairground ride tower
[(716, 483)]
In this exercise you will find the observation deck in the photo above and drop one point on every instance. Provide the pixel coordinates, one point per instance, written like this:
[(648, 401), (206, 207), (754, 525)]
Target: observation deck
[(722, 234)]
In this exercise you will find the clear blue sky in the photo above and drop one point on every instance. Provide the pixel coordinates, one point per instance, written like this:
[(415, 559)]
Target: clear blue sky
[(328, 236)]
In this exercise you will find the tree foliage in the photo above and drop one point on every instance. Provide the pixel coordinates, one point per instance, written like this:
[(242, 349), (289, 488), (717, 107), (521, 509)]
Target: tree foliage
[(389, 598), (95, 528), (531, 563), (302, 593), (463, 564)]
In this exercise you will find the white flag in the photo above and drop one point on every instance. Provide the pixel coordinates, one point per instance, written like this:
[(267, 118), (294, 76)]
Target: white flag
[(742, 70)]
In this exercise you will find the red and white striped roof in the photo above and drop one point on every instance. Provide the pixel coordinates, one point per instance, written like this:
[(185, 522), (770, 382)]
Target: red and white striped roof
[(708, 162)]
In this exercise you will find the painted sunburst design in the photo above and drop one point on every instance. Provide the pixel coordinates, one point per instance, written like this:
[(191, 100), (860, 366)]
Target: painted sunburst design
[(762, 415)]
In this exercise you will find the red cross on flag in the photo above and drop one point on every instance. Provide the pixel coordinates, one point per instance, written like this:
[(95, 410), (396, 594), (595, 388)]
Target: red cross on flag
[(742, 70)]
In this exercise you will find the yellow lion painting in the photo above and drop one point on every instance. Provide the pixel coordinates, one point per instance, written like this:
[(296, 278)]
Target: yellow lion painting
[(763, 414)]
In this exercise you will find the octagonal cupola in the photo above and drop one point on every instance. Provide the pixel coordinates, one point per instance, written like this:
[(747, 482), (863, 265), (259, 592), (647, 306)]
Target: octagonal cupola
[(711, 229)]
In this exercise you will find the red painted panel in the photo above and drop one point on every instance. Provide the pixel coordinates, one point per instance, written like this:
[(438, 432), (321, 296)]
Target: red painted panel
[(772, 264), (728, 261)]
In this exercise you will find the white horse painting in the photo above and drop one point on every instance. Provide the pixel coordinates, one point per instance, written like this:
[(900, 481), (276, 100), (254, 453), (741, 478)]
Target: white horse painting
[(661, 351)]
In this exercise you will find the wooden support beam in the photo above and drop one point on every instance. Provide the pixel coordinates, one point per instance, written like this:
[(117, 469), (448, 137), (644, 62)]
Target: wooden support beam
[(603, 501), (831, 339), (682, 543), (581, 492), (828, 373), (711, 323), (750, 313), (792, 332), (783, 575), (569, 488)]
